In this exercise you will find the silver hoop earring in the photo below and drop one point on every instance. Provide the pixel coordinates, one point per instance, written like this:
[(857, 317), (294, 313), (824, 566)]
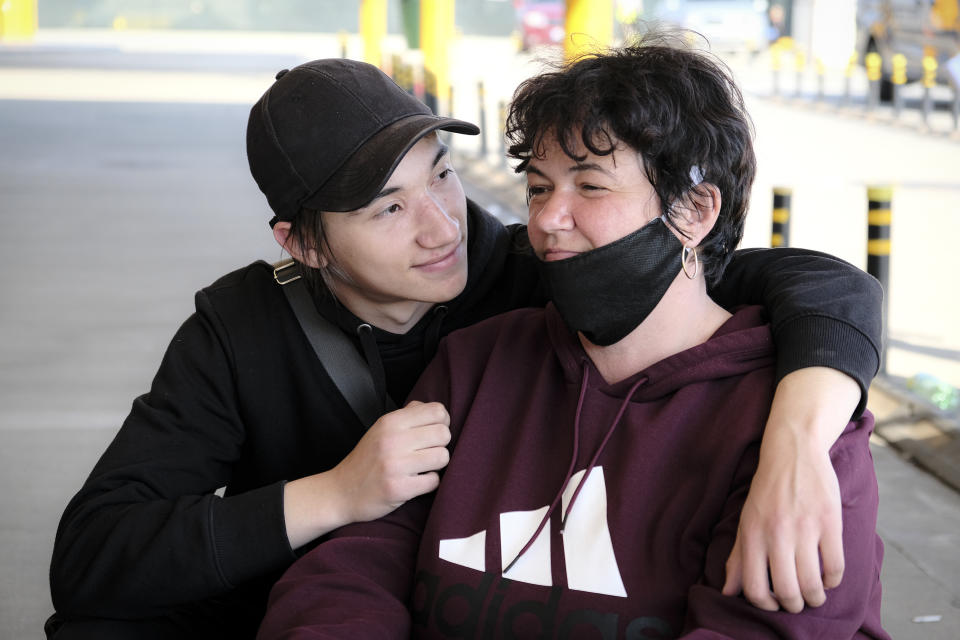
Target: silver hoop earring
[(685, 257)]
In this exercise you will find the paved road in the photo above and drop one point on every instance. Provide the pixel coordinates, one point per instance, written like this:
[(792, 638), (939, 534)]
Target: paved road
[(123, 191)]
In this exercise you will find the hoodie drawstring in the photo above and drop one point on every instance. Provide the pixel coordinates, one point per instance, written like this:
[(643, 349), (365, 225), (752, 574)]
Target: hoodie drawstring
[(566, 478), (573, 461), (603, 444)]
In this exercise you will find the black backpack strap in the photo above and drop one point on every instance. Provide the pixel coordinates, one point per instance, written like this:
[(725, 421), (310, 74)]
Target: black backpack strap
[(336, 353)]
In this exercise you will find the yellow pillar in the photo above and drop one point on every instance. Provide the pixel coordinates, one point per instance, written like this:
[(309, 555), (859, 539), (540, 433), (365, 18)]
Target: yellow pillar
[(589, 26), (436, 34), (373, 29), (18, 19)]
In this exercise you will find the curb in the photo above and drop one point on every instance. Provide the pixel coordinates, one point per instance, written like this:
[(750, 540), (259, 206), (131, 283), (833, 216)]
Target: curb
[(920, 434)]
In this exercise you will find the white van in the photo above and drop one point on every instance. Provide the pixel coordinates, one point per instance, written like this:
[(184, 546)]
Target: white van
[(729, 25)]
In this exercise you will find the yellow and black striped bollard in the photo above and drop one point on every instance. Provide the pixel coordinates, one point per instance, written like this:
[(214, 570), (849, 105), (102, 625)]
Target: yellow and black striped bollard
[(899, 78), (780, 234), (879, 217), (873, 61), (929, 81)]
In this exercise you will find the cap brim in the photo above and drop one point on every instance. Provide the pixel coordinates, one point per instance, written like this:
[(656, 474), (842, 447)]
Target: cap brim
[(366, 171)]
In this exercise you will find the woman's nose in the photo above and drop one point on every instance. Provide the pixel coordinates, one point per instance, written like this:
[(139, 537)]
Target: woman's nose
[(551, 212)]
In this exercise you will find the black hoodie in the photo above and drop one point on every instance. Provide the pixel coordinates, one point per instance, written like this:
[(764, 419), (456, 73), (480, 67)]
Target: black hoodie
[(240, 401)]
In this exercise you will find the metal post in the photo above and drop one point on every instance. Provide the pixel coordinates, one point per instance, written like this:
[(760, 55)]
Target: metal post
[(898, 78), (589, 25), (929, 81), (848, 76), (482, 118), (448, 135), (800, 63), (776, 52), (409, 79), (18, 19), (874, 73), (436, 31), (879, 217), (373, 28), (956, 107), (343, 44), (396, 65), (821, 79), (780, 235)]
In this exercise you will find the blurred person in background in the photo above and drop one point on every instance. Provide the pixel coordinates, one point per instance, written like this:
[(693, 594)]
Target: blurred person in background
[(245, 453), (602, 447)]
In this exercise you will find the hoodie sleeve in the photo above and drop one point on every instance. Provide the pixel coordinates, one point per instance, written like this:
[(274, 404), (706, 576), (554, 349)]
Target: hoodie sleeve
[(355, 585), (851, 610), (824, 311), (146, 531)]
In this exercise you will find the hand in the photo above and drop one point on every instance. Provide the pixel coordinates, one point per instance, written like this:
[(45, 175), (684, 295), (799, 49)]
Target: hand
[(396, 460), (792, 519)]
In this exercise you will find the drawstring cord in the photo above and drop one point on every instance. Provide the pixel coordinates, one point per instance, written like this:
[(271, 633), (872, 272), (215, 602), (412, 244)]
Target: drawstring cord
[(573, 461), (596, 456), (566, 478)]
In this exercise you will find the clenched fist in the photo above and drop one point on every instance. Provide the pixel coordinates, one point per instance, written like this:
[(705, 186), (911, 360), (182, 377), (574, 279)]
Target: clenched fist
[(396, 460)]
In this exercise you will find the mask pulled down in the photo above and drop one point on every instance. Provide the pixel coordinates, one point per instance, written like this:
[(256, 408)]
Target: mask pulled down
[(606, 293)]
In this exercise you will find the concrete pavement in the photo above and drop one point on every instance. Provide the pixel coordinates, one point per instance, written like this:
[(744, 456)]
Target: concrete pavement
[(115, 208)]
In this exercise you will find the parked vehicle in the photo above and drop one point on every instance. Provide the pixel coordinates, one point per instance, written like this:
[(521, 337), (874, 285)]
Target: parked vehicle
[(541, 23), (914, 28), (728, 25)]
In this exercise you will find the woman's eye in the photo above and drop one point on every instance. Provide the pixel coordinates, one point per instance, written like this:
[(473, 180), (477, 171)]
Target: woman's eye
[(535, 190)]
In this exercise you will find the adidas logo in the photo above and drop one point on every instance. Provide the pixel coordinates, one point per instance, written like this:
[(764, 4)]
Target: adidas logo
[(591, 564)]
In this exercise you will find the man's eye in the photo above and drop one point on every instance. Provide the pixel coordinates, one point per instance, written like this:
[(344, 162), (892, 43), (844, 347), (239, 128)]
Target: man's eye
[(444, 174), (394, 208)]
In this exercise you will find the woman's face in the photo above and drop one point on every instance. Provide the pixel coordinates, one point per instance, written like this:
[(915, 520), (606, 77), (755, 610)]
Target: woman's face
[(577, 206)]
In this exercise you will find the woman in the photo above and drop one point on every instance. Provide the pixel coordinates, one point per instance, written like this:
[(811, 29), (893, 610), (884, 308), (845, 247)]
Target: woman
[(604, 446)]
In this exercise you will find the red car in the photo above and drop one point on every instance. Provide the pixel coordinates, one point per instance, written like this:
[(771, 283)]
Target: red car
[(541, 23)]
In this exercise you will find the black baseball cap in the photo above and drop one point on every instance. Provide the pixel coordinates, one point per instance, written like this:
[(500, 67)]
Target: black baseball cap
[(329, 133)]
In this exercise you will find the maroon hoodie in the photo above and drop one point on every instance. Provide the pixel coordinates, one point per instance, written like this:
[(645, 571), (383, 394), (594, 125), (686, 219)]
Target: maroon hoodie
[(573, 508)]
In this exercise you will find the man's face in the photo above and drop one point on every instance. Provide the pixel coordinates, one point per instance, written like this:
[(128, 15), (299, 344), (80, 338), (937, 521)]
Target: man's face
[(406, 250), (577, 206)]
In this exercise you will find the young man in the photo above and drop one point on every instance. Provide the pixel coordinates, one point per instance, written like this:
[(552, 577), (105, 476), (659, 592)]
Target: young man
[(604, 445), (392, 253)]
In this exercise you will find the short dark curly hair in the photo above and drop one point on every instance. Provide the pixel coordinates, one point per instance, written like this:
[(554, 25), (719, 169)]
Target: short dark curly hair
[(676, 106)]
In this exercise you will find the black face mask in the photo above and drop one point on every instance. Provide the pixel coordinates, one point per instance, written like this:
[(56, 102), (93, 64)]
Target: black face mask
[(606, 293)]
